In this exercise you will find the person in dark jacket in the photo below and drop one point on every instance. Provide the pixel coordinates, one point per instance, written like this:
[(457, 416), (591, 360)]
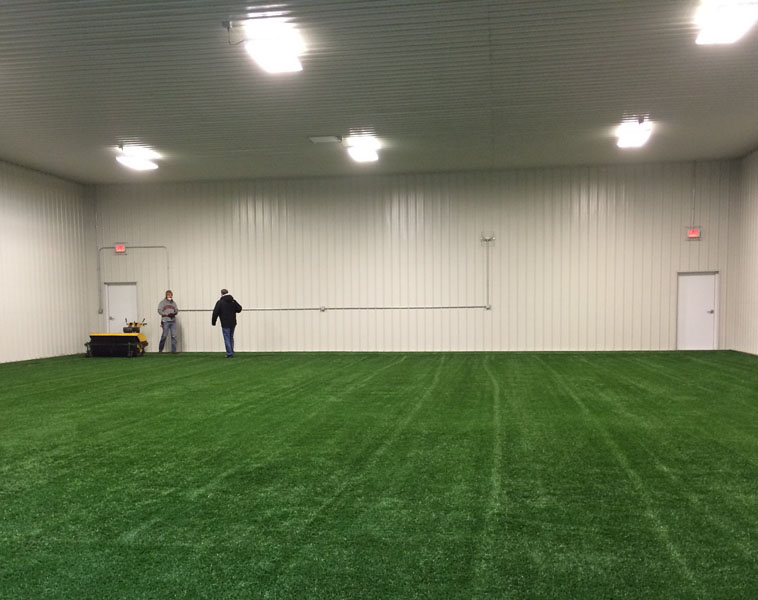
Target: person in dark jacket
[(226, 309)]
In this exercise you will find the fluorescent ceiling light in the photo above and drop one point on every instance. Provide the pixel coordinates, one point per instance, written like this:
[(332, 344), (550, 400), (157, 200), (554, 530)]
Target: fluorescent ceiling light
[(138, 158), (725, 21), (359, 154), (362, 148), (137, 163), (633, 134), (139, 152), (274, 44)]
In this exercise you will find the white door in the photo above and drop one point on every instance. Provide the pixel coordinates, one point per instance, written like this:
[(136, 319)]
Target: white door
[(121, 307), (696, 318)]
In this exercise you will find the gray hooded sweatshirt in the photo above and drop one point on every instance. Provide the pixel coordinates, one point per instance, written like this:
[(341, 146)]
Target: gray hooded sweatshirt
[(167, 309)]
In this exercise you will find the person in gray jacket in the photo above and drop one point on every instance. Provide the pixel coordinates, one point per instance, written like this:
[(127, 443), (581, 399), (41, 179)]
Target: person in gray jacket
[(168, 310)]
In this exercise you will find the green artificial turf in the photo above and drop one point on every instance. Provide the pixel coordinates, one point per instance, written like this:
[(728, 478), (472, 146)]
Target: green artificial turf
[(480, 475)]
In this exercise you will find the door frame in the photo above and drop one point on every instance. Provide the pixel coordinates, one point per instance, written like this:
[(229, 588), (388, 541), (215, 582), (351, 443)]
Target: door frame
[(716, 287)]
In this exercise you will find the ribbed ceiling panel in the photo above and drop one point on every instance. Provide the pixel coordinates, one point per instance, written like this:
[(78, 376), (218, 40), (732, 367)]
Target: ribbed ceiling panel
[(447, 85)]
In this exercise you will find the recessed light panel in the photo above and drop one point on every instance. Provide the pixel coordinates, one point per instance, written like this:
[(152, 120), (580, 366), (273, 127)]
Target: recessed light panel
[(362, 148), (275, 44), (139, 158), (725, 21), (633, 134)]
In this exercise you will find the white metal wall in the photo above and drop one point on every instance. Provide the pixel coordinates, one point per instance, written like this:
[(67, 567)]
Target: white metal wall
[(47, 242), (743, 291), (584, 258)]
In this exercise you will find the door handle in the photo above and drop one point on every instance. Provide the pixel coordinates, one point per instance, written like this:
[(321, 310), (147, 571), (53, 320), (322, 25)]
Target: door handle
[(111, 319), (710, 312)]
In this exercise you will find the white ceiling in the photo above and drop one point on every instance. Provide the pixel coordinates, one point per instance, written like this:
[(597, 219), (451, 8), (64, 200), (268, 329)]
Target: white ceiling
[(445, 84)]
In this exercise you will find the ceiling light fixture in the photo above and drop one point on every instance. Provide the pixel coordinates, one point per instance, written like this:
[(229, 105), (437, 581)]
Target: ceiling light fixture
[(725, 21), (633, 134), (138, 158), (325, 139), (272, 41), (362, 148)]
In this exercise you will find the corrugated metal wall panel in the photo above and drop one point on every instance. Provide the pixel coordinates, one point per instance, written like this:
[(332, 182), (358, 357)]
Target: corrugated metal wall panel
[(584, 258), (743, 261), (47, 241)]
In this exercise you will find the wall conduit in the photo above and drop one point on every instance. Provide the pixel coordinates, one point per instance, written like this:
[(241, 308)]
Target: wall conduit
[(487, 239)]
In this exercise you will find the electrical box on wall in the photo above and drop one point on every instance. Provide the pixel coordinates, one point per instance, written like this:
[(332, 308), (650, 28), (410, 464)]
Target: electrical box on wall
[(694, 234), (120, 248)]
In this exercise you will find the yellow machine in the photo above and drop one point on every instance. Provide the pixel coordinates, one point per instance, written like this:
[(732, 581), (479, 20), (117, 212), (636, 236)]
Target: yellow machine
[(128, 344)]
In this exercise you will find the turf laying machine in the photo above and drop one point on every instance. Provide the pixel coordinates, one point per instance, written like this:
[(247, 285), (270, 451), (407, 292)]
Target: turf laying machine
[(128, 344)]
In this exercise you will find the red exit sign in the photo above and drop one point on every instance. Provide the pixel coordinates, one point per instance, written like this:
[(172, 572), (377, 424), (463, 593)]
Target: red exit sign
[(694, 234)]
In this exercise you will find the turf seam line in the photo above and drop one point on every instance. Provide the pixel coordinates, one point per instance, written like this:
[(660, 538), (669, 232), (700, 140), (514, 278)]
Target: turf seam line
[(497, 491), (350, 482), (690, 497), (659, 527)]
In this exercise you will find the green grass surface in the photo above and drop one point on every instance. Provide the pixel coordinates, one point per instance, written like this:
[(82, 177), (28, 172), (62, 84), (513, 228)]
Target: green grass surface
[(539, 475)]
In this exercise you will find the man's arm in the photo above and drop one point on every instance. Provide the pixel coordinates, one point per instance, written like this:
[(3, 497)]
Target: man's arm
[(215, 315), (237, 307)]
